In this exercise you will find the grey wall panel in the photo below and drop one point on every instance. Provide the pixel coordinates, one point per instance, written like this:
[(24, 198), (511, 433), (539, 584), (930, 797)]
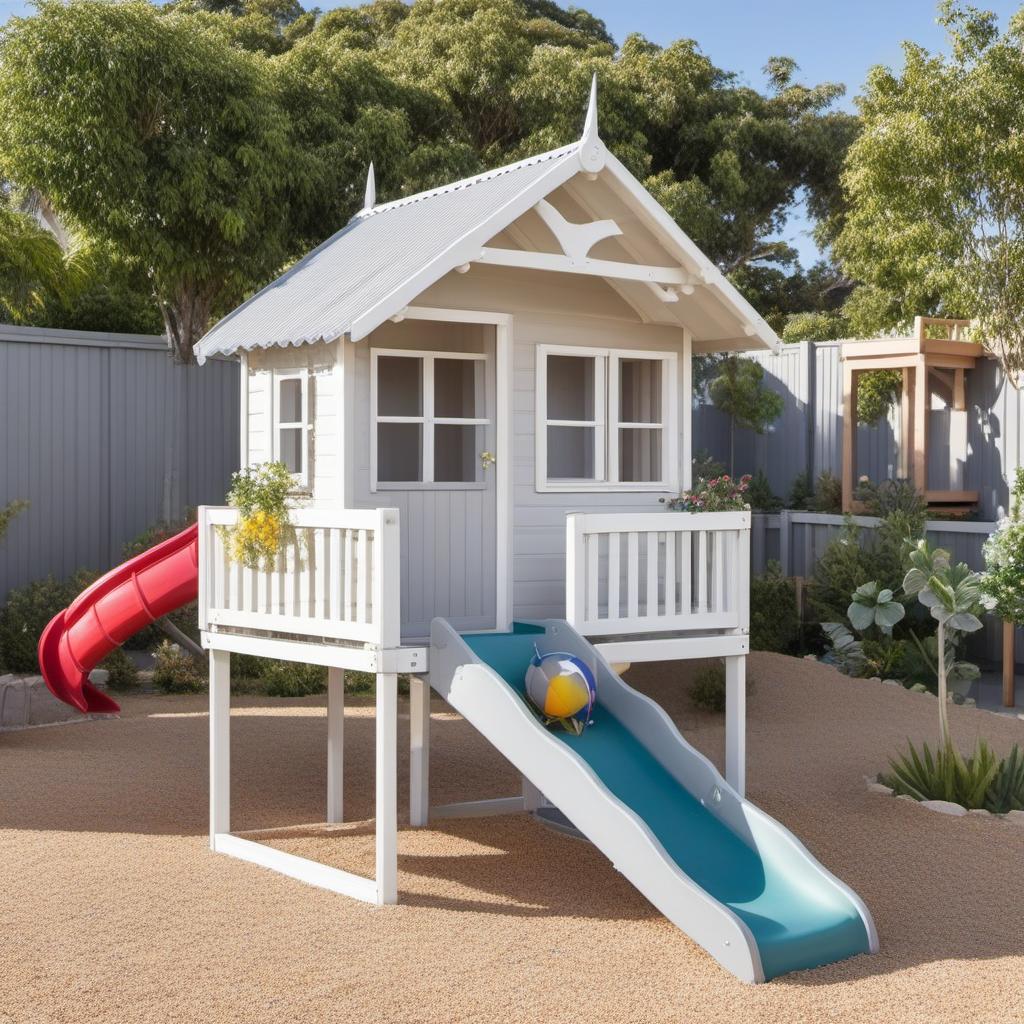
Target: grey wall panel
[(104, 435)]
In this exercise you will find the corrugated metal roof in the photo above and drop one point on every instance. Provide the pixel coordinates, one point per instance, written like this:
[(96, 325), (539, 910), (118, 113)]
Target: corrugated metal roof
[(377, 252)]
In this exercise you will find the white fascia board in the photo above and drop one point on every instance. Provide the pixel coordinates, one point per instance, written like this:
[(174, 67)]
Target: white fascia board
[(467, 248), (692, 256)]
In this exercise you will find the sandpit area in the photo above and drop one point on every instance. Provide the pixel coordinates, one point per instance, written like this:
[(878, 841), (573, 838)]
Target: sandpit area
[(113, 909)]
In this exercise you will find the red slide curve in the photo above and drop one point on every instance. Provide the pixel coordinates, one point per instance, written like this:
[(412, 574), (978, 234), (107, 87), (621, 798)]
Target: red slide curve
[(115, 607)]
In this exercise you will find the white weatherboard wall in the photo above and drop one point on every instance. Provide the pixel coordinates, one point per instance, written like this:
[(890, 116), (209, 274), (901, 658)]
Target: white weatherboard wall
[(320, 361), (554, 309)]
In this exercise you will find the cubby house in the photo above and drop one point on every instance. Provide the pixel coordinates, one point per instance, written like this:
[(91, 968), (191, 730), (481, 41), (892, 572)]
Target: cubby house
[(482, 392)]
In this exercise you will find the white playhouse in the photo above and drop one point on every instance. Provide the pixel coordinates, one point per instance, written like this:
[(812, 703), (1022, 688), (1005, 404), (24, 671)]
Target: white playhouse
[(482, 392)]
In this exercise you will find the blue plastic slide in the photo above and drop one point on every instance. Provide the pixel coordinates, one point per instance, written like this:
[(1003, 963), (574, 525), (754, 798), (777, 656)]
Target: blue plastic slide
[(734, 879)]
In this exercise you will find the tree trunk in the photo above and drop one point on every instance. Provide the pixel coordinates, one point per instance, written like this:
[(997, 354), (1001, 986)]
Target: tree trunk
[(732, 446), (186, 317)]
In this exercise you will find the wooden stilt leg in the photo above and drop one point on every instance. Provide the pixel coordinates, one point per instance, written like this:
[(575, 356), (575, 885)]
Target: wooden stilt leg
[(1009, 669), (387, 788), (419, 751), (736, 722), (220, 745), (335, 744)]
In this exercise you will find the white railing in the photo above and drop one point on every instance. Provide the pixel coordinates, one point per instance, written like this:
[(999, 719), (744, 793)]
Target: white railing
[(336, 576), (657, 572)]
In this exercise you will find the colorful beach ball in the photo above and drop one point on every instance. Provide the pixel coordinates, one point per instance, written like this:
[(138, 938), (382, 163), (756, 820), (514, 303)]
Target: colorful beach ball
[(561, 685)]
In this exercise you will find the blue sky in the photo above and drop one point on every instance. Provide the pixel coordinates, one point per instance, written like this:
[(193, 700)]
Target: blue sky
[(830, 40)]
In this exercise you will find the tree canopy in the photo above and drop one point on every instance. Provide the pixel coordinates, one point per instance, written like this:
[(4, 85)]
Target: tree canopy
[(934, 216), (210, 142)]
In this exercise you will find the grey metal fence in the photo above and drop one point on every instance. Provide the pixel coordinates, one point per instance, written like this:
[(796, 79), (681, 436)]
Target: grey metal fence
[(104, 435), (807, 437)]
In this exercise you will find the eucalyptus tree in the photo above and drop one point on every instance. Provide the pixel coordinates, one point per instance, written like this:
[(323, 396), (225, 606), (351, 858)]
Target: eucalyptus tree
[(156, 136), (934, 186)]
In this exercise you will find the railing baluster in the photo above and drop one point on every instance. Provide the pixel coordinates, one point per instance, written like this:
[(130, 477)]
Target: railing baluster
[(686, 572), (222, 561), (593, 611), (702, 572), (632, 575), (721, 595), (651, 607), (363, 578), (670, 573), (614, 546), (347, 592)]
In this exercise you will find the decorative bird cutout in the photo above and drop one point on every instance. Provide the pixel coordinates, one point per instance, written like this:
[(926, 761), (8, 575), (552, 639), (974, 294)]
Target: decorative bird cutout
[(576, 240)]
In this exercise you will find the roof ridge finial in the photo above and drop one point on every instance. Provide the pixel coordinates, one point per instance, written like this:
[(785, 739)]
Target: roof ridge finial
[(370, 198), (590, 124), (592, 152)]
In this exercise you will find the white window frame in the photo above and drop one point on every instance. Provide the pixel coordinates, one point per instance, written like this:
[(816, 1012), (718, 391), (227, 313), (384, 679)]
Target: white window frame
[(426, 419), (606, 421), (278, 377)]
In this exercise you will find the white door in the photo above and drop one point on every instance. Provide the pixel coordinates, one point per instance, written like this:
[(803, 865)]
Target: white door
[(429, 452)]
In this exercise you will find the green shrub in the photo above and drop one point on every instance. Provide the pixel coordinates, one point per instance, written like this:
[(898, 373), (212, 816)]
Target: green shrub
[(721, 494), (889, 496), (176, 671), (877, 392), (981, 781), (8, 512), (123, 675), (707, 691), (774, 619), (800, 493), (27, 611), (706, 466), (828, 494), (760, 494), (294, 679)]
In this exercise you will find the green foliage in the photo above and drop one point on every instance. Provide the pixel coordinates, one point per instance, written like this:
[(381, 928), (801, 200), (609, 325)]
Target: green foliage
[(722, 494), (123, 675), (8, 512), (32, 269), (774, 620), (874, 606), (260, 493), (800, 492), (293, 679), (935, 214), (819, 325), (1003, 581), (707, 691), (706, 467), (26, 613), (828, 494), (877, 392), (945, 775), (1006, 791), (188, 168), (760, 495), (176, 671), (889, 496), (739, 391)]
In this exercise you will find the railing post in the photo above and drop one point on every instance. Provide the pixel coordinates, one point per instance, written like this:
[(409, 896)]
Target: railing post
[(742, 575), (387, 579), (203, 522), (575, 569), (785, 536)]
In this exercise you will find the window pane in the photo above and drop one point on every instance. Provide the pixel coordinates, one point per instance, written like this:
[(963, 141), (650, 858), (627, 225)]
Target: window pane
[(291, 400), (640, 390), (571, 381), (571, 453), (457, 453), (639, 455), (399, 386), (290, 445), (459, 388), (399, 452)]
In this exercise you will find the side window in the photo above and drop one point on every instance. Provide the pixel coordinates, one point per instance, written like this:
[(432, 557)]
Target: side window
[(429, 418), (291, 422), (605, 419)]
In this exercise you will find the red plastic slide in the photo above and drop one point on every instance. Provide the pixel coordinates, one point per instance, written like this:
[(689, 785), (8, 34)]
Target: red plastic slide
[(115, 607)]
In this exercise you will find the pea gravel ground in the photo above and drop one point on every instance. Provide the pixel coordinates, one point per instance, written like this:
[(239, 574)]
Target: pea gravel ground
[(113, 909)]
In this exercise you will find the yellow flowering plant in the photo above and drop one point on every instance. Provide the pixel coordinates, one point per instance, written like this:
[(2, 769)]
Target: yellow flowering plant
[(260, 495)]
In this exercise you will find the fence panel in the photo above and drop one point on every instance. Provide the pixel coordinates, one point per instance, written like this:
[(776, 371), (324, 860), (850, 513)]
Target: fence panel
[(104, 435)]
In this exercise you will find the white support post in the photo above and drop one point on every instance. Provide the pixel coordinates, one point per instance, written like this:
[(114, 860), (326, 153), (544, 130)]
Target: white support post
[(532, 796), (220, 745), (736, 722), (419, 751), (335, 745), (387, 788)]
